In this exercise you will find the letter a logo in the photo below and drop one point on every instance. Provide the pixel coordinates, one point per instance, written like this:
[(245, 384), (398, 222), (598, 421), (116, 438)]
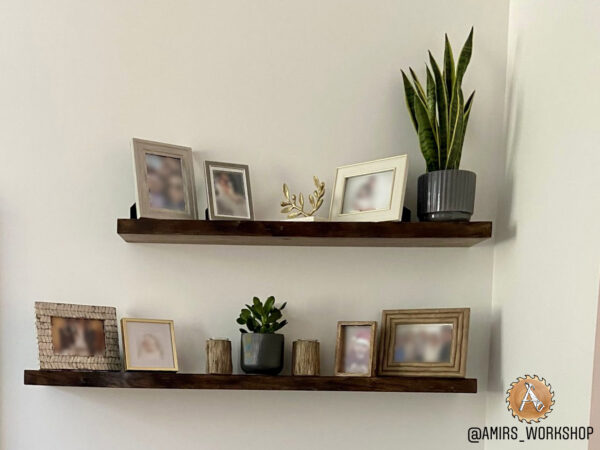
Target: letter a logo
[(530, 399)]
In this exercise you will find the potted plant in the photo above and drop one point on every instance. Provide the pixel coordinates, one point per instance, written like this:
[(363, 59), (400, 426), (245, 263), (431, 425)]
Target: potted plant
[(440, 116), (262, 348)]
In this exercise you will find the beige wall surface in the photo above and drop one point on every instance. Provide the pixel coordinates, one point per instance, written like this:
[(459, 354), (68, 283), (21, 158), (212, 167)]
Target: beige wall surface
[(595, 403), (547, 255), (292, 88)]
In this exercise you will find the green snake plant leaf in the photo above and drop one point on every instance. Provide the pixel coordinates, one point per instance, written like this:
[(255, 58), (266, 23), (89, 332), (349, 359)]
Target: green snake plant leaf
[(431, 100), (426, 136), (453, 111), (282, 306), (418, 87), (467, 113), (442, 110), (409, 94), (449, 71), (468, 106), (464, 58), (457, 137)]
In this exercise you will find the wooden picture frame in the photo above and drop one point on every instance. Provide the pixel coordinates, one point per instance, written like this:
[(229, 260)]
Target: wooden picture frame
[(157, 338), (78, 337), (443, 359), (379, 205), (161, 205), (219, 212), (341, 367)]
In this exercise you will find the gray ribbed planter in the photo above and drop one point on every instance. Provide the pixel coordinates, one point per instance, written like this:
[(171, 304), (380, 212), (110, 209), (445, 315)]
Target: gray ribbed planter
[(262, 353), (446, 195)]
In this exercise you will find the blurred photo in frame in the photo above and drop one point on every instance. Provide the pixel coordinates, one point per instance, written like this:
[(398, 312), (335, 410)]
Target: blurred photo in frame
[(355, 349), (424, 342), (149, 344), (371, 191), (228, 191), (81, 337), (164, 178)]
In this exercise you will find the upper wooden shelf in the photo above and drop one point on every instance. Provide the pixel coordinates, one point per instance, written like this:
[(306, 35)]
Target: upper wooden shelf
[(329, 234), (164, 380)]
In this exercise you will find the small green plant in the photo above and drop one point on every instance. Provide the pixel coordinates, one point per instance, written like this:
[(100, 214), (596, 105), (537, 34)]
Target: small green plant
[(262, 318), (440, 114)]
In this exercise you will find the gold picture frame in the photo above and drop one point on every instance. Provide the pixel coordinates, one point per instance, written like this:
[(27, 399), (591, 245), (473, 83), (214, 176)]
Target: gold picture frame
[(66, 332), (130, 361), (340, 349), (163, 152), (451, 356)]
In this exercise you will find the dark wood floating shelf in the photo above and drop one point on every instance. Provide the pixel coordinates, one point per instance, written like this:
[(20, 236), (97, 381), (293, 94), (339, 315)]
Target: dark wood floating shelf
[(332, 234), (163, 380)]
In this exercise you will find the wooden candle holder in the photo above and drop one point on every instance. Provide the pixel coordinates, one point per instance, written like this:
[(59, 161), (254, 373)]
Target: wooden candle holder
[(218, 357), (306, 359)]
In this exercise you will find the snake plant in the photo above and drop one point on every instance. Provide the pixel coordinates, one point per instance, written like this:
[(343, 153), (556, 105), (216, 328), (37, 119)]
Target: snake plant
[(439, 113)]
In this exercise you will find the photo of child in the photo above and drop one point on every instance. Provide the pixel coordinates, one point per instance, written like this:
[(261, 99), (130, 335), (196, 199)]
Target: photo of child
[(428, 343), (164, 177), (149, 344)]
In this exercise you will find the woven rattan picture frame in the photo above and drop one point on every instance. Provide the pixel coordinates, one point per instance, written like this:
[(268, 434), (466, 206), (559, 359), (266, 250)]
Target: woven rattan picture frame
[(85, 329)]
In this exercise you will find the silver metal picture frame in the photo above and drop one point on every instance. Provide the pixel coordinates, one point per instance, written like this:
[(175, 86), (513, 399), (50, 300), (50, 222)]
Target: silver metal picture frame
[(228, 191), (164, 178)]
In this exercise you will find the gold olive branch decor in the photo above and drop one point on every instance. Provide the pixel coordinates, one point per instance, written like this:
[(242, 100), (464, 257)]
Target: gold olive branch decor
[(294, 207)]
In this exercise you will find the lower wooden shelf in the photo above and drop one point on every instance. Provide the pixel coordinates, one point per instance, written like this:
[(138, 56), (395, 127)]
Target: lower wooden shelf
[(163, 380)]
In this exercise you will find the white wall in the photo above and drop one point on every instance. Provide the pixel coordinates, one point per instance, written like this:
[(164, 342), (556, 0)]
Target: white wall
[(293, 88), (547, 255), (595, 397)]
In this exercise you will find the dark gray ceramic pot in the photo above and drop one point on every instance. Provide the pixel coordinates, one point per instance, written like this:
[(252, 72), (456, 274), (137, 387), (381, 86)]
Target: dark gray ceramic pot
[(262, 353), (446, 195)]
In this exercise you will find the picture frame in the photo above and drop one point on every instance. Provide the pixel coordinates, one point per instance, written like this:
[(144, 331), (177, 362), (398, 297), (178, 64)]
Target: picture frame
[(149, 345), (424, 342), (228, 191), (355, 349), (77, 337), (371, 191), (164, 180)]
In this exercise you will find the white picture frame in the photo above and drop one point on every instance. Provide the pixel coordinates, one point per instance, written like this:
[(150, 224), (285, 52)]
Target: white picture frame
[(391, 173), (146, 205), (238, 180)]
